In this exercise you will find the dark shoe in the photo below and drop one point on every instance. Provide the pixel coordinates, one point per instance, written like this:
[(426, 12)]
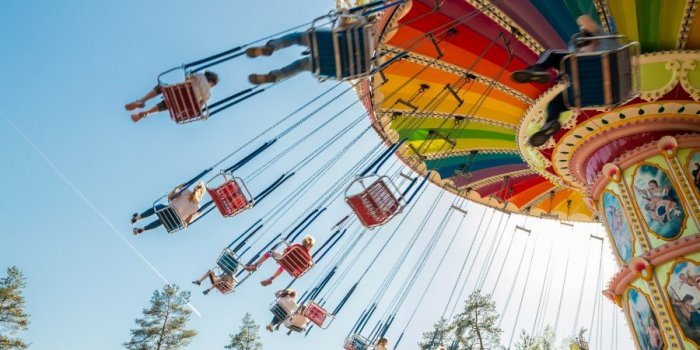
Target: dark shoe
[(540, 138), (258, 79), (135, 218), (205, 292), (257, 51), (529, 76), (137, 231), (197, 283)]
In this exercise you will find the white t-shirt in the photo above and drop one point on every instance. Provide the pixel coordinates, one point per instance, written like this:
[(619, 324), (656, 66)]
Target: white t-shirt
[(200, 86), (287, 303), (184, 206), (299, 320)]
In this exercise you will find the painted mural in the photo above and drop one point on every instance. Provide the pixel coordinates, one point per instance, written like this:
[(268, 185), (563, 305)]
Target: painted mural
[(658, 201), (693, 167), (618, 225), (645, 323), (684, 292)]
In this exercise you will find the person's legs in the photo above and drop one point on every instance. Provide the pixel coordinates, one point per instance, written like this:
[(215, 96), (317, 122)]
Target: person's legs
[(555, 108), (288, 71), (297, 38), (251, 268), (550, 59), (155, 109), (268, 281), (539, 72), (140, 103)]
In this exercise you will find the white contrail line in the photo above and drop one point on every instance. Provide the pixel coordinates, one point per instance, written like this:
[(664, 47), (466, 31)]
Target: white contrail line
[(89, 203)]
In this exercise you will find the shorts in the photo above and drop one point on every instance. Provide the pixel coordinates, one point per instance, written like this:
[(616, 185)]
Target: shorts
[(161, 105)]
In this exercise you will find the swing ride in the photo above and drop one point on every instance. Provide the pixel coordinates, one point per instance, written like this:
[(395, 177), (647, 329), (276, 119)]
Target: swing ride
[(435, 79)]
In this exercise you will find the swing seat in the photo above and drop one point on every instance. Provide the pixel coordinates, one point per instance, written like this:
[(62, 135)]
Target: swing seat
[(225, 287), (228, 262), (181, 99), (296, 261), (318, 315), (297, 329), (170, 219), (356, 342), (377, 203), (231, 196), (341, 53), (601, 79), (279, 311)]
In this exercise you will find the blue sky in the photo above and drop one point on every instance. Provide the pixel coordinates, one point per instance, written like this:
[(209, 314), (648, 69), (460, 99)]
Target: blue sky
[(68, 69)]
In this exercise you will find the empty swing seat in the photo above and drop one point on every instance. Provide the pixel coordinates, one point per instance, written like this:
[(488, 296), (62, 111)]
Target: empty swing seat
[(296, 260), (376, 204), (170, 219), (318, 315), (601, 79), (341, 53), (356, 342), (231, 196)]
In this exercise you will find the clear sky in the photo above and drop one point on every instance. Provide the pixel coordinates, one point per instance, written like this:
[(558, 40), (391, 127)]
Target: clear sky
[(69, 67)]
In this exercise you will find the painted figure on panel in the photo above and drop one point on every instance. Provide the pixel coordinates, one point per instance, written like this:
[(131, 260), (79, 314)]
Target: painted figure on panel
[(684, 292), (694, 169), (645, 323), (658, 201), (618, 225)]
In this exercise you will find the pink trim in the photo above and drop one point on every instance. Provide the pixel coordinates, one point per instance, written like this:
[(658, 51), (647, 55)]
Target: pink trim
[(658, 256), (630, 158)]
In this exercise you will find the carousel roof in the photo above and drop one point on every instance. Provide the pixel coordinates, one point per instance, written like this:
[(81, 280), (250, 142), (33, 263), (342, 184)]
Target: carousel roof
[(463, 117)]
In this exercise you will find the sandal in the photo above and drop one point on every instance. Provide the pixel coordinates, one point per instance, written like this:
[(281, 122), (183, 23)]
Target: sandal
[(266, 282), (137, 231), (135, 217)]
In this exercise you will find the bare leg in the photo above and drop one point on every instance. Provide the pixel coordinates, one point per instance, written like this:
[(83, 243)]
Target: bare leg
[(140, 115), (262, 259), (140, 103), (268, 281), (209, 274)]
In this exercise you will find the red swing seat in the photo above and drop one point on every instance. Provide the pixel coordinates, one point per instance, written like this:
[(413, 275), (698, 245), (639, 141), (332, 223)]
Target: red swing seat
[(318, 315), (181, 100), (231, 196), (224, 287), (295, 260), (377, 203)]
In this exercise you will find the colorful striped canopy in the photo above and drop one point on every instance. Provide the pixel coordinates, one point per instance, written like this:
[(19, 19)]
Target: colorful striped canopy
[(453, 100)]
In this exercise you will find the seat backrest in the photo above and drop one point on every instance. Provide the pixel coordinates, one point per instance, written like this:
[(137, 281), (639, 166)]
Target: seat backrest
[(316, 314), (356, 342), (224, 287), (341, 53), (600, 79), (182, 102), (170, 219), (279, 311), (375, 205), (296, 261), (229, 198), (228, 262)]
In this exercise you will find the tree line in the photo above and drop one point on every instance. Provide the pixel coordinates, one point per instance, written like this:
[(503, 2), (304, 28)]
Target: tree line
[(163, 324)]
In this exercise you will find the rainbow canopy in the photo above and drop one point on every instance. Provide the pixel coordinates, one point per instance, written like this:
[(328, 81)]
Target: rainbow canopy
[(453, 100)]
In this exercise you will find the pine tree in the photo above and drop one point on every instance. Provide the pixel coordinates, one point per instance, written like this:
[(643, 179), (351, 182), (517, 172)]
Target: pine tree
[(163, 326), (476, 327), (247, 337), (441, 334), (12, 316), (544, 341)]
